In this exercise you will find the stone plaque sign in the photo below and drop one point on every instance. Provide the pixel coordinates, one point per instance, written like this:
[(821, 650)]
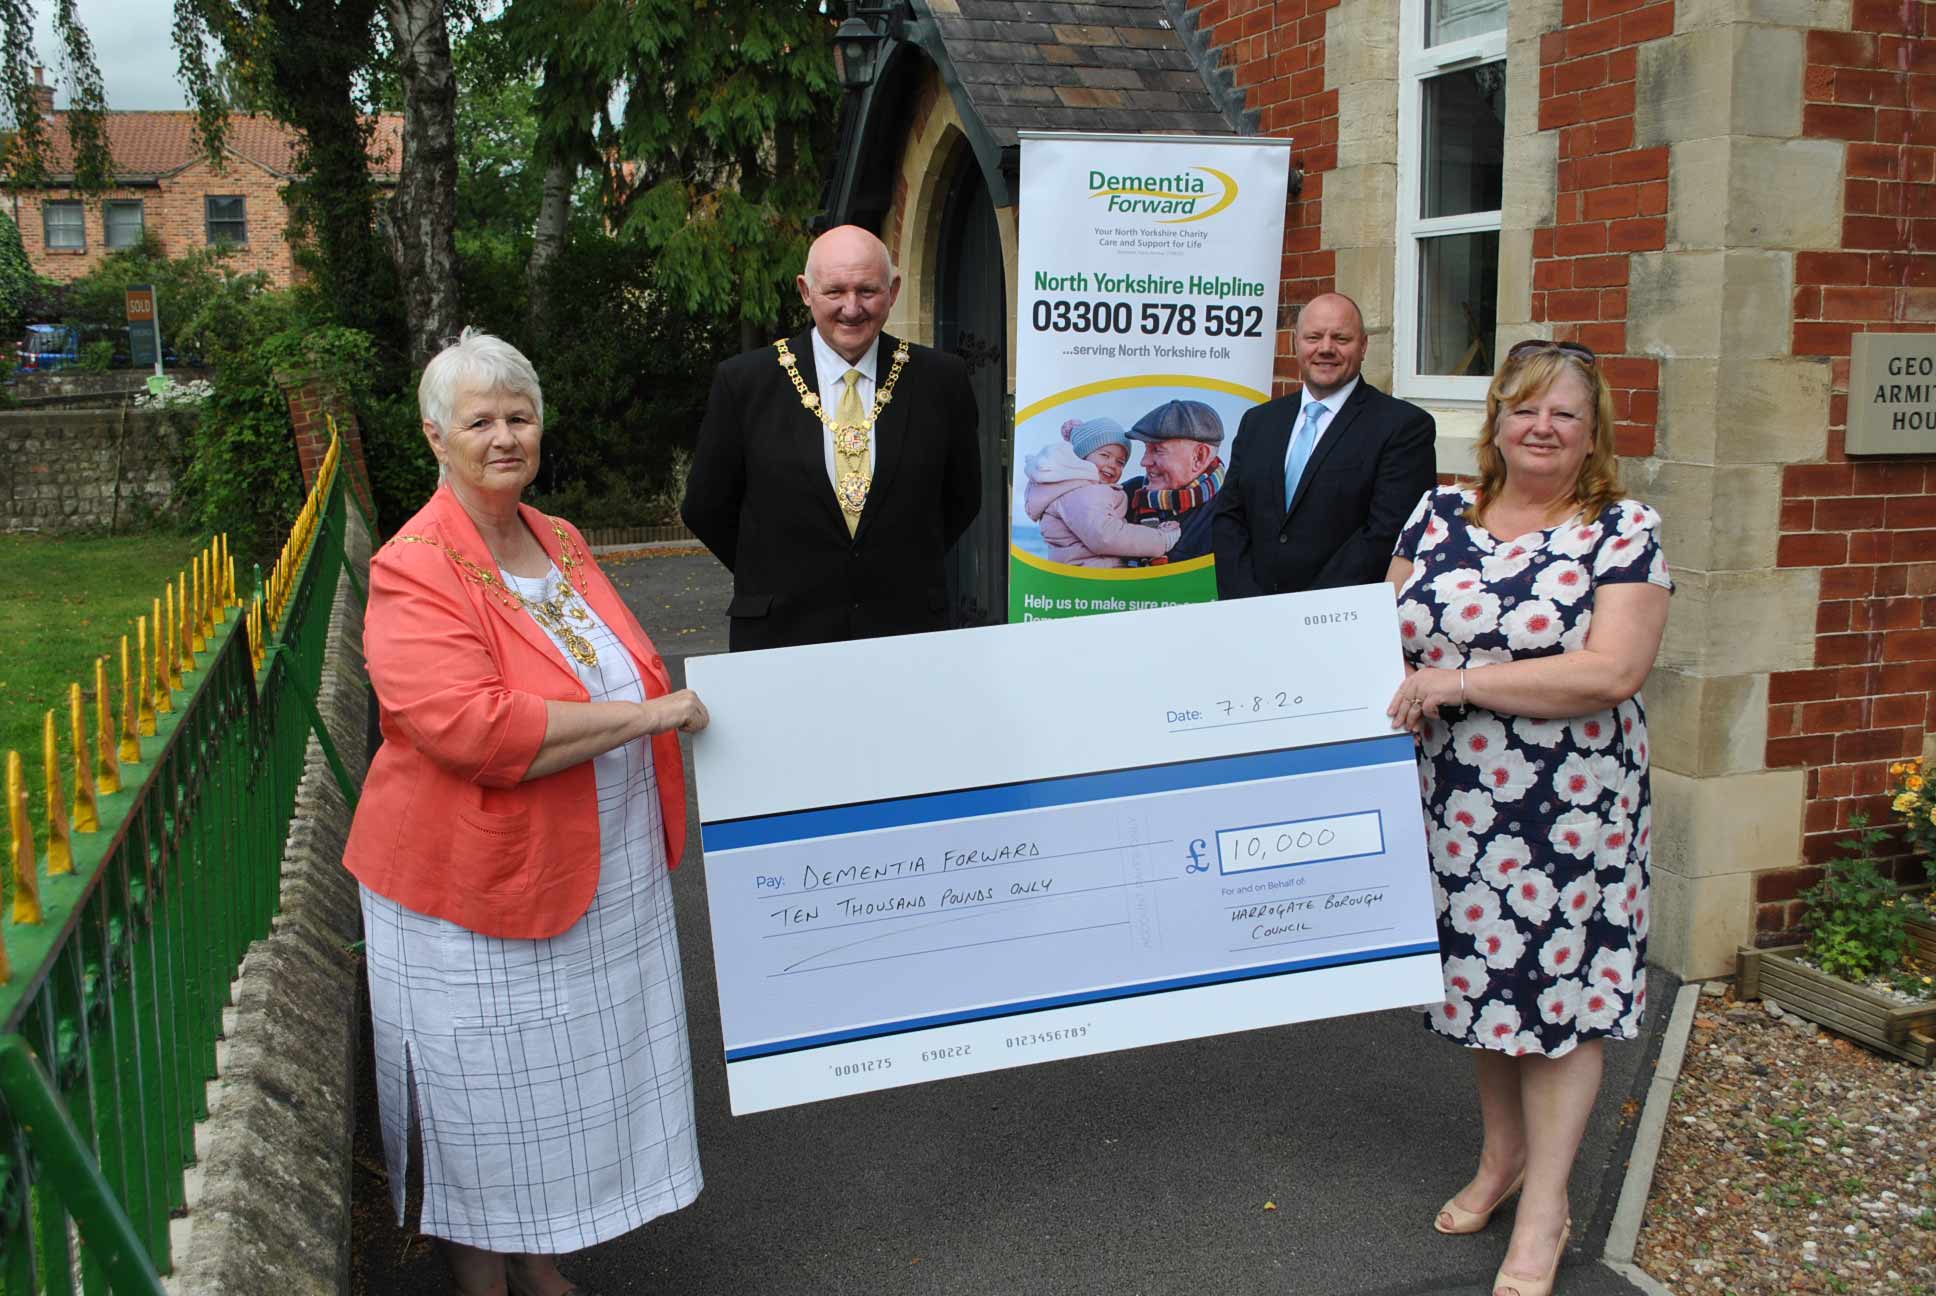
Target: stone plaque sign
[(1892, 394)]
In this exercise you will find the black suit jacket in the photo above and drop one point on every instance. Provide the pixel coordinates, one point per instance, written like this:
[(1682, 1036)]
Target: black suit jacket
[(1366, 476), (759, 498)]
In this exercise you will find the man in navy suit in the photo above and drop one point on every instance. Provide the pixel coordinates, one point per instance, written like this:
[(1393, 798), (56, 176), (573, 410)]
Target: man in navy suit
[(1320, 481)]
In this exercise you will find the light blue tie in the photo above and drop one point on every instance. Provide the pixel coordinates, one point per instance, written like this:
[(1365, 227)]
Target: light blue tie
[(1302, 444)]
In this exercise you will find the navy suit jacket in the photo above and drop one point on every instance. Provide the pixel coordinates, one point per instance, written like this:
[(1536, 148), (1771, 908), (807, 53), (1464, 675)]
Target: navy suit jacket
[(1371, 467)]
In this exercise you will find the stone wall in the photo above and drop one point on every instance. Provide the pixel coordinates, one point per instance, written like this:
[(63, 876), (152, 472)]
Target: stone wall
[(77, 386), (1865, 83), (82, 470), (269, 1202)]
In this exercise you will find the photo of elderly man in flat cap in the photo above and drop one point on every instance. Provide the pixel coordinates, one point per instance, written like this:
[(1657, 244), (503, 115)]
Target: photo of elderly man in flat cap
[(1182, 469)]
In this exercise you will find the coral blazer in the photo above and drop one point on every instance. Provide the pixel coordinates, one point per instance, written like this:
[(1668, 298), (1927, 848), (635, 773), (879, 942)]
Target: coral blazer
[(446, 825)]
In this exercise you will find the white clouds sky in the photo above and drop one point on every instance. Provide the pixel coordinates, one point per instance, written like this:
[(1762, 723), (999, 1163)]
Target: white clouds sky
[(131, 46)]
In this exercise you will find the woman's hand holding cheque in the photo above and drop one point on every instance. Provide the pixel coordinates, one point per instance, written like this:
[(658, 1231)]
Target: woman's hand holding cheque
[(681, 710), (1424, 691)]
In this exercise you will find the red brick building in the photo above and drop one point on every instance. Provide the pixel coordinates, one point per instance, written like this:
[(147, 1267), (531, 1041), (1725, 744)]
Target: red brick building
[(1719, 196), (166, 188)]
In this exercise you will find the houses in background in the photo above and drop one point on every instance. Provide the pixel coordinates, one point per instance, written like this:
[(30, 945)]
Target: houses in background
[(166, 188)]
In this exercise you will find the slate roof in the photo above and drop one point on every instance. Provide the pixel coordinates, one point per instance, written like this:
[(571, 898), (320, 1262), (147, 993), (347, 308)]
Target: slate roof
[(1087, 65), (150, 145)]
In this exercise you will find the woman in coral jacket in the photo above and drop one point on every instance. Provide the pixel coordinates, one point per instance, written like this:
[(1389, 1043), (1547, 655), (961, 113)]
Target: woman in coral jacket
[(512, 845)]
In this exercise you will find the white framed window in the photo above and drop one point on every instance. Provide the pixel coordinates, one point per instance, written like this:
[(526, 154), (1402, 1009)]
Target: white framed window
[(64, 225), (121, 221), (1451, 154)]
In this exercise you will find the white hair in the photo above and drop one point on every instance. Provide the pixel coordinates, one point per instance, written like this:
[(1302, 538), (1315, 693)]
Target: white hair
[(479, 360)]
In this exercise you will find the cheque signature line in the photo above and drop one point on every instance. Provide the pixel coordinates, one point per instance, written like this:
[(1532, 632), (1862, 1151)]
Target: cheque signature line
[(804, 930), (1293, 715), (926, 875), (1306, 940), (1314, 895), (796, 969)]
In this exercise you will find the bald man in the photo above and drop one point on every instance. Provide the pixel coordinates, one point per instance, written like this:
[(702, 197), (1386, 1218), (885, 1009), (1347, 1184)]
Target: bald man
[(834, 468), (1321, 480)]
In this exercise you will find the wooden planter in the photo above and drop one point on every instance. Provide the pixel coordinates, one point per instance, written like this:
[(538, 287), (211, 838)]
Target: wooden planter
[(1907, 1032), (1922, 942), (1922, 932)]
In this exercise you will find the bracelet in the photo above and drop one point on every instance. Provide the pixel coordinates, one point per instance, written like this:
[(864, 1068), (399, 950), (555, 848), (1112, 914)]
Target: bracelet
[(1461, 688)]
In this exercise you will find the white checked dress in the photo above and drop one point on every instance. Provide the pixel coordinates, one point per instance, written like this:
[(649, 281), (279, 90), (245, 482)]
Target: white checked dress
[(552, 1079)]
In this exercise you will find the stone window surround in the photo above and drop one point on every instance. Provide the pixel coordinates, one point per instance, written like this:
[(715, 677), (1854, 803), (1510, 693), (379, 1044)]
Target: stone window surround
[(1416, 67)]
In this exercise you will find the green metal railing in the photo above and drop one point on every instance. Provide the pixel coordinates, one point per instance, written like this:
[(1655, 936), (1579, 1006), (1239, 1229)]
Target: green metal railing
[(112, 1006)]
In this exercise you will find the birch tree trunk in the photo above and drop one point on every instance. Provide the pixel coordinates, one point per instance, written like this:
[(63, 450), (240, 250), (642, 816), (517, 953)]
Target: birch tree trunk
[(548, 240), (423, 211)]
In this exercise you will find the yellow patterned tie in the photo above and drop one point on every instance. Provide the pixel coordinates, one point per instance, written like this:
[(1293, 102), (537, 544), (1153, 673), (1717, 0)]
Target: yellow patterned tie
[(853, 457)]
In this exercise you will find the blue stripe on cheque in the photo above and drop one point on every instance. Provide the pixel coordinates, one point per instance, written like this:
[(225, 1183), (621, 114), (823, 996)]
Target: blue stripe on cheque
[(1007, 798), (1025, 1006)]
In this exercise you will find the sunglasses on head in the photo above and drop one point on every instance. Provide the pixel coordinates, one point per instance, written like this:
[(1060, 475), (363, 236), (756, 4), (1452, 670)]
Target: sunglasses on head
[(1534, 346)]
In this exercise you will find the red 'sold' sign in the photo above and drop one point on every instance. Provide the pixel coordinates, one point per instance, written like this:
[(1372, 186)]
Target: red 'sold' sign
[(141, 305)]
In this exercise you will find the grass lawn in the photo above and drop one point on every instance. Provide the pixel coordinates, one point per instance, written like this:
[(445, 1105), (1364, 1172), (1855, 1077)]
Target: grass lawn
[(63, 602)]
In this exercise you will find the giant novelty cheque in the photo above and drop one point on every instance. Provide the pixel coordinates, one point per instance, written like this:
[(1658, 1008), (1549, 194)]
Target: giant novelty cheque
[(1009, 848), (1146, 304)]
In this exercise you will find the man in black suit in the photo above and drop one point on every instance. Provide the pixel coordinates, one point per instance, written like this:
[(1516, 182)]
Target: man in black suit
[(834, 469), (1321, 480)]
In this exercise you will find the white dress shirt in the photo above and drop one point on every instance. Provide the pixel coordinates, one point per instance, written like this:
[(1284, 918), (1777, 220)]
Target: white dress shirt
[(1332, 404), (830, 367)]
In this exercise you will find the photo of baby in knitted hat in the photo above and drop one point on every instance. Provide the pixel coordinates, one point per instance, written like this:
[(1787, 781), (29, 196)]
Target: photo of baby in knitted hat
[(1073, 496)]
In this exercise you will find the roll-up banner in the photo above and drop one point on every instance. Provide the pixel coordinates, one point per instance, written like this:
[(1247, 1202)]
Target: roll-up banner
[(1147, 300)]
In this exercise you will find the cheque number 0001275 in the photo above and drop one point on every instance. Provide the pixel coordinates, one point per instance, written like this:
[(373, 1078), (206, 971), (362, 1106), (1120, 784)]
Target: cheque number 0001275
[(1181, 318), (1258, 704)]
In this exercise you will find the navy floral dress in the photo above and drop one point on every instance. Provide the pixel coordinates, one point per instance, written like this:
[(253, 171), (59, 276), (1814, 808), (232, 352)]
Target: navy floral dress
[(1538, 828)]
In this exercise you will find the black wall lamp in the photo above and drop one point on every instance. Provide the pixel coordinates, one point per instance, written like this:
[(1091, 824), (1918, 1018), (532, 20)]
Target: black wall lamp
[(862, 37)]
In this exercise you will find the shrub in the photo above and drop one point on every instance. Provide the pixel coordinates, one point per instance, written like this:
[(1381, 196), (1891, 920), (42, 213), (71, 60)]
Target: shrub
[(17, 286), (186, 289), (1856, 930)]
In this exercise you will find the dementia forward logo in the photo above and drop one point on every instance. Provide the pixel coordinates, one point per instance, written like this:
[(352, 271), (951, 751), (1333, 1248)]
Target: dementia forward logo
[(1175, 199)]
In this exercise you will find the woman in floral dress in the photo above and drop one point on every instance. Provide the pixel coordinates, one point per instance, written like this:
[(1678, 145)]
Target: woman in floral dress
[(1532, 605)]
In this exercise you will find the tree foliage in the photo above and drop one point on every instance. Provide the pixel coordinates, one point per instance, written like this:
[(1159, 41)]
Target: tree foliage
[(16, 278), (308, 64), (712, 163), (23, 160)]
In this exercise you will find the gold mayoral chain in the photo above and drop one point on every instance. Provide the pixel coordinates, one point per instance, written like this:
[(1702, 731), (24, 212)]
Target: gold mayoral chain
[(557, 614), (850, 439)]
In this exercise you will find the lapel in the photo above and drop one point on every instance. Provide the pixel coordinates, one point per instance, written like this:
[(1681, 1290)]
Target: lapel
[(1273, 454), (1334, 431), (463, 536), (890, 434), (600, 594), (803, 423)]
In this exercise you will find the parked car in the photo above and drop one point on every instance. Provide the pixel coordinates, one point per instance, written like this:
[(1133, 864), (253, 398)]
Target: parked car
[(48, 346)]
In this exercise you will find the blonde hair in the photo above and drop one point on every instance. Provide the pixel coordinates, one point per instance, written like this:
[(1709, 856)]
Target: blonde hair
[(1531, 374)]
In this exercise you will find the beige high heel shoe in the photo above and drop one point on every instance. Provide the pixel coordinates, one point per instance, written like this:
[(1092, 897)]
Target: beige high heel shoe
[(1465, 1221), (1505, 1284)]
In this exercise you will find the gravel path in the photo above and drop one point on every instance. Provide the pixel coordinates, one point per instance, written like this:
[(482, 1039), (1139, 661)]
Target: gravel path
[(1794, 1161)]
